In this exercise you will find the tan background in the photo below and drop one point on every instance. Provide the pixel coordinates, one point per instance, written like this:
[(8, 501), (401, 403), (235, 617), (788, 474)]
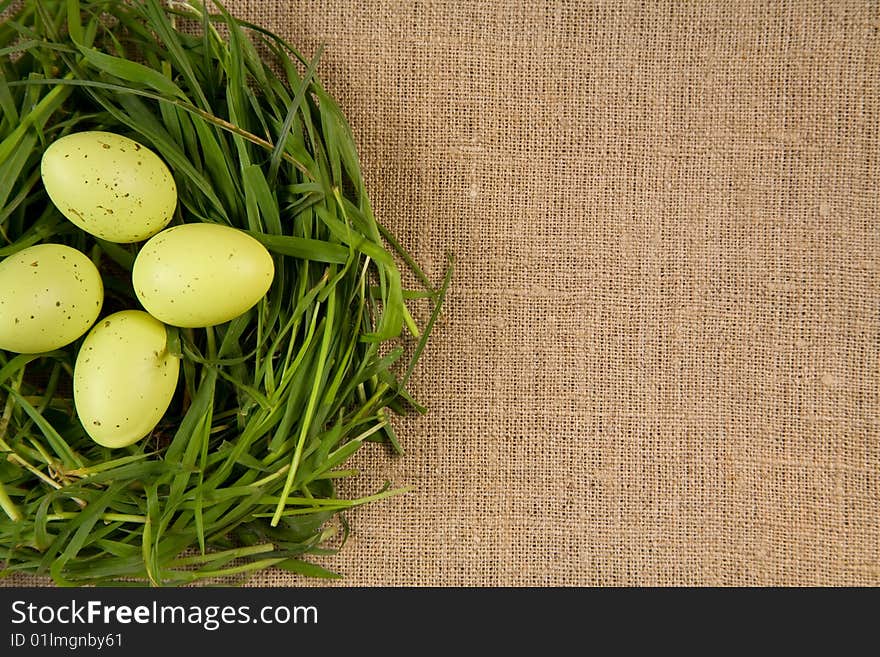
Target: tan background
[(659, 361)]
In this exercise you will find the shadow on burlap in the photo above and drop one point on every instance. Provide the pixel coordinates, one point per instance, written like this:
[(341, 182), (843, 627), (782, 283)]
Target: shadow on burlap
[(659, 360)]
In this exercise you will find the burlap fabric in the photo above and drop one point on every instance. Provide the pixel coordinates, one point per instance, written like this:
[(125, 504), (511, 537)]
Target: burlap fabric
[(659, 359)]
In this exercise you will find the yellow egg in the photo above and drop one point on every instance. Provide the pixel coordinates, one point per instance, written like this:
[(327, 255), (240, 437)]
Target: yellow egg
[(109, 185), (50, 294), (124, 378), (198, 275)]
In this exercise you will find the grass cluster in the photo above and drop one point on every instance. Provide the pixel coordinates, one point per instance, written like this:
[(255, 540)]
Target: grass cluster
[(239, 475)]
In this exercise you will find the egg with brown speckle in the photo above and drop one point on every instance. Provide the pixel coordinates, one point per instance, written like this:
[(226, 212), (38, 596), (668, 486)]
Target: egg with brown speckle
[(50, 295), (124, 378), (109, 185), (201, 274)]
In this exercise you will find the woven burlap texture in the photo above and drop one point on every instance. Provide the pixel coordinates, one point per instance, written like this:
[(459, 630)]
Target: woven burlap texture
[(658, 363)]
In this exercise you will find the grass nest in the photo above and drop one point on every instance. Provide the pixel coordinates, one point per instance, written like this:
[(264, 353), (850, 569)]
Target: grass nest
[(240, 473)]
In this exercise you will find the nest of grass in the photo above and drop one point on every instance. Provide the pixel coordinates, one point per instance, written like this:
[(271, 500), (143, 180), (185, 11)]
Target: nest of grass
[(239, 475)]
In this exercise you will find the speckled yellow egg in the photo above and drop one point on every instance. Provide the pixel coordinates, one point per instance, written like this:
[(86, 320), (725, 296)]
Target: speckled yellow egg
[(200, 274), (124, 378), (109, 185), (50, 295)]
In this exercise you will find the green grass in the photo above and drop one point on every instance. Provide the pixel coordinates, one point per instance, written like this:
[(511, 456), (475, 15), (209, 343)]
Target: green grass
[(240, 474)]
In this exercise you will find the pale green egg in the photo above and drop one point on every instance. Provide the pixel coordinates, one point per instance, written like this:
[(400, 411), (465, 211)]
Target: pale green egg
[(124, 378), (109, 185), (201, 274), (50, 295)]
